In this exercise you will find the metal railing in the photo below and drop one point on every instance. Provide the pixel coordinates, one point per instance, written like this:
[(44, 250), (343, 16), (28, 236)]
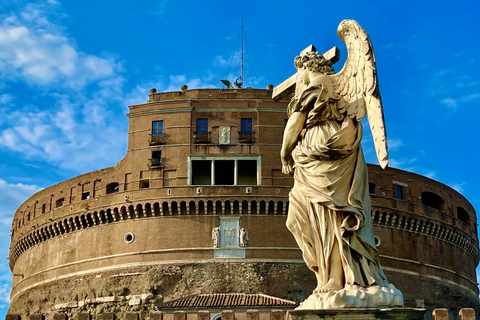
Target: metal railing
[(246, 137), (157, 139), (201, 137)]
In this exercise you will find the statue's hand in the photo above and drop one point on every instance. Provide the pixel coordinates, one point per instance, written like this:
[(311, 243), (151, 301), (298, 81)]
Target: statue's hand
[(288, 169), (287, 165)]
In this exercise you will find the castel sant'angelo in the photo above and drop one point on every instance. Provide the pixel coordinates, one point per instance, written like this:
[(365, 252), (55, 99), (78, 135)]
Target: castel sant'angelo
[(192, 222)]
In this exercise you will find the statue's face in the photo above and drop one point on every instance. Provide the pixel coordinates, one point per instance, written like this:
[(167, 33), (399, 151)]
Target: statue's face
[(304, 76)]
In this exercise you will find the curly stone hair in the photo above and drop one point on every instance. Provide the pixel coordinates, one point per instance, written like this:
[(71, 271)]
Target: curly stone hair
[(314, 61)]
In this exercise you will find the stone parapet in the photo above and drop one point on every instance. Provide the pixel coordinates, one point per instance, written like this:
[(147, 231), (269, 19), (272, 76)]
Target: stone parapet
[(252, 314)]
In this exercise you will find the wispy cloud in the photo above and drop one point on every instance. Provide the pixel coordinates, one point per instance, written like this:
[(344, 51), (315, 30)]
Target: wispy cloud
[(35, 50), (12, 195), (450, 102), (394, 144), (64, 123), (160, 7), (454, 103), (458, 186), (407, 163)]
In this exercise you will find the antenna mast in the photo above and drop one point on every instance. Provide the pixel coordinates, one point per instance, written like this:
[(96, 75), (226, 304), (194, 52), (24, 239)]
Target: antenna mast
[(242, 49)]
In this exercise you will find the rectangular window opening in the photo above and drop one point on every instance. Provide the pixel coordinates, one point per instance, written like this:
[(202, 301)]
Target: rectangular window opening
[(157, 128), (144, 183), (246, 127), (247, 172), (60, 203), (201, 172), (202, 126), (157, 136), (224, 172), (245, 135), (156, 158), (399, 192), (85, 195)]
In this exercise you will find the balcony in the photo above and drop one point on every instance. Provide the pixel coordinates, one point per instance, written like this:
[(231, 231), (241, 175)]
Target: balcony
[(201, 137), (157, 139), (246, 137)]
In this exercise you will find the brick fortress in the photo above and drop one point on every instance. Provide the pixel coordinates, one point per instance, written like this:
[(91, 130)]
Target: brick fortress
[(193, 218)]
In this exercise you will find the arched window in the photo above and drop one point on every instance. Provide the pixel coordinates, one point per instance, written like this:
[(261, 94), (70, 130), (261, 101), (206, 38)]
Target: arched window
[(463, 216), (112, 187), (432, 200)]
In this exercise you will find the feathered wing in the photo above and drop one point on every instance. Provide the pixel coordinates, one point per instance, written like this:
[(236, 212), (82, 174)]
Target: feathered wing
[(357, 85)]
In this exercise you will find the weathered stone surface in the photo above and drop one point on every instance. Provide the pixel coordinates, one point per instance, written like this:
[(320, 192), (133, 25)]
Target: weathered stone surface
[(156, 315), (252, 314), (228, 315), (107, 316), (440, 314), (10, 316), (358, 313), (37, 316), (467, 314), (131, 316), (179, 315), (60, 316), (278, 315), (203, 315), (84, 316), (134, 302)]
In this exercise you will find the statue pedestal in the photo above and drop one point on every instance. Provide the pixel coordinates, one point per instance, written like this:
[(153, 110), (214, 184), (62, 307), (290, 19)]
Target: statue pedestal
[(358, 313)]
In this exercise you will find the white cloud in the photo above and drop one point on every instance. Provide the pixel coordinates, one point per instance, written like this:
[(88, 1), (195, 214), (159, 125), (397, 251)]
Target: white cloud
[(430, 174), (458, 186), (195, 83), (34, 50), (406, 164), (450, 102), (64, 136), (454, 103), (220, 61), (394, 144), (73, 128), (4, 294), (11, 196), (6, 98)]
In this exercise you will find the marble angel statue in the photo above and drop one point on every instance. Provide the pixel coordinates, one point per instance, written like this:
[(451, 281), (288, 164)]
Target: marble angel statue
[(330, 212)]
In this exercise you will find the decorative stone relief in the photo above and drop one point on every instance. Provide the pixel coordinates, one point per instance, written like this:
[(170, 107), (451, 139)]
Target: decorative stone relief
[(224, 135), (216, 237), (243, 237)]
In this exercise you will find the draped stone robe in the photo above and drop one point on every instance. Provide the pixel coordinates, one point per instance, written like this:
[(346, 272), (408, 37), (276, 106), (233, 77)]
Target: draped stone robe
[(330, 198)]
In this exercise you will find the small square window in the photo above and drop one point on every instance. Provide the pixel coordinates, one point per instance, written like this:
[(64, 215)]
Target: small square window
[(145, 183), (60, 203), (85, 195)]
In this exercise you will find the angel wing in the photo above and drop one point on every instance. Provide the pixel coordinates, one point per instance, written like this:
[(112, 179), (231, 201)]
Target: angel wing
[(357, 84)]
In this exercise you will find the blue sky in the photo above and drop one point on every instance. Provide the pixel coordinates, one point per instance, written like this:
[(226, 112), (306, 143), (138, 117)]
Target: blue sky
[(68, 71)]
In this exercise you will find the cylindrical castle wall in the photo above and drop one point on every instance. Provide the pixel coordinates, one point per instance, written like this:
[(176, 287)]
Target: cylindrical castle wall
[(421, 251), (68, 240)]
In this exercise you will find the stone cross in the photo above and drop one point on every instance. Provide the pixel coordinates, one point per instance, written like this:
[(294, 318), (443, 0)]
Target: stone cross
[(287, 87)]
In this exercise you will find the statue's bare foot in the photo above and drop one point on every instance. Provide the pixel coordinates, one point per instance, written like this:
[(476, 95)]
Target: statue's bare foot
[(332, 285)]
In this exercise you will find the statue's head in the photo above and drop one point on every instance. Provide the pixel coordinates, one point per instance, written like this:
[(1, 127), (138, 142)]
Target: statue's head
[(315, 62)]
